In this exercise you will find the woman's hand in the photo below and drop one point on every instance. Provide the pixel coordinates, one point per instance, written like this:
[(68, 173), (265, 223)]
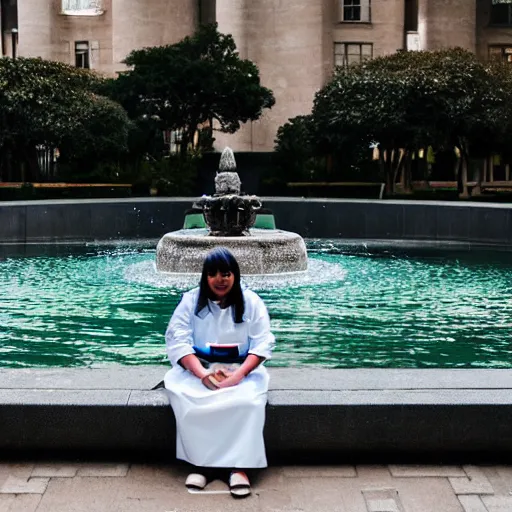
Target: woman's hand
[(212, 380), (233, 379)]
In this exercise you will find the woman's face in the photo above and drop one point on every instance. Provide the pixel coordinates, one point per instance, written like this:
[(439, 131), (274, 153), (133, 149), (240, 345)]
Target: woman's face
[(221, 283)]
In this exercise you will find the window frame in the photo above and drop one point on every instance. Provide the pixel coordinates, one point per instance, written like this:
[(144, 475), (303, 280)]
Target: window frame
[(93, 10), (504, 56), (345, 45), (508, 23), (355, 4), (85, 53)]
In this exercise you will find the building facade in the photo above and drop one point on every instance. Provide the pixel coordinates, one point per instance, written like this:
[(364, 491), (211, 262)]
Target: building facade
[(295, 43)]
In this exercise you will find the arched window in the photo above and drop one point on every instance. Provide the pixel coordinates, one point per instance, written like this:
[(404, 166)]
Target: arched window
[(82, 7)]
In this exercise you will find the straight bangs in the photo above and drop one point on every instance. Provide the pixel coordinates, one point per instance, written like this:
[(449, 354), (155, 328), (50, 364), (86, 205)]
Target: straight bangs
[(219, 261)]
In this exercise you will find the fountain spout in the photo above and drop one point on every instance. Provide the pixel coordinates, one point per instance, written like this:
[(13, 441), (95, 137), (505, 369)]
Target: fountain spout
[(228, 212)]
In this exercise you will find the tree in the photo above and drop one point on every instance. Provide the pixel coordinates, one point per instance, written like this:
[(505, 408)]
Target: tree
[(98, 140), (51, 104), (294, 150), (189, 84), (412, 100), (361, 106)]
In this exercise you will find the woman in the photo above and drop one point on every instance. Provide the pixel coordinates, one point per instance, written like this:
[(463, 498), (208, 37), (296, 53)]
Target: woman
[(216, 341)]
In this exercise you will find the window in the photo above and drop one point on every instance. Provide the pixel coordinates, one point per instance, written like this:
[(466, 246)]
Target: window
[(82, 7), (355, 11), (503, 53), (82, 54), (346, 54), (411, 15), (172, 140), (501, 12)]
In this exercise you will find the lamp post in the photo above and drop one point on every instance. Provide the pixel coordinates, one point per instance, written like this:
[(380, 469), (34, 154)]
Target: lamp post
[(14, 42)]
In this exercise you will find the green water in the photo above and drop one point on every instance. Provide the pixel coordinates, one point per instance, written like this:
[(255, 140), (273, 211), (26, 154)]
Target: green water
[(356, 308)]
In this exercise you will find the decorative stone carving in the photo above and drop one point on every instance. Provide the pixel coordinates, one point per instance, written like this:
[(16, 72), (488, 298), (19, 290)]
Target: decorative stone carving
[(227, 213)]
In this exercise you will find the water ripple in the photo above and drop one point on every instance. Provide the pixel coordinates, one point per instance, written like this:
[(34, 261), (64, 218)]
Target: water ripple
[(352, 308)]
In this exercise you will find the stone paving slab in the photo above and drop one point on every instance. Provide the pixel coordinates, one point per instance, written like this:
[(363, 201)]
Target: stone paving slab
[(427, 495), (146, 377), (475, 482), (23, 471), (123, 487), (426, 471), (80, 494), (155, 398), (320, 471), (19, 502), (472, 503), (15, 485), (55, 470), (27, 397), (103, 470), (118, 397), (497, 503), (391, 397), (382, 500)]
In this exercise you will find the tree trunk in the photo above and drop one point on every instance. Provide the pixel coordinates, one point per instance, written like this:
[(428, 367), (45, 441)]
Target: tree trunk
[(384, 164), (462, 178), (407, 172), (32, 164), (481, 170), (398, 165)]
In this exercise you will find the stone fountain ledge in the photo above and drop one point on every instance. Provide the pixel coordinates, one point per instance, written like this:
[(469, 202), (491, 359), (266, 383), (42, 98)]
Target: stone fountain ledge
[(430, 414), (59, 221)]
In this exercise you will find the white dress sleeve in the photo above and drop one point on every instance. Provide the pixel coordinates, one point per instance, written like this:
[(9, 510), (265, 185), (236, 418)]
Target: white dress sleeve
[(261, 339), (178, 336)]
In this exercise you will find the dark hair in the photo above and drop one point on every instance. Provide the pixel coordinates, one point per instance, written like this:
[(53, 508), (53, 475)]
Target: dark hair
[(221, 260)]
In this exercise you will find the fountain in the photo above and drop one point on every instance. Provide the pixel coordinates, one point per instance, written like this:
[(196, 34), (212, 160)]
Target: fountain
[(230, 217)]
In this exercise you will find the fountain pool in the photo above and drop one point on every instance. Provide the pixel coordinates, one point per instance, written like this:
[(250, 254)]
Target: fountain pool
[(93, 305)]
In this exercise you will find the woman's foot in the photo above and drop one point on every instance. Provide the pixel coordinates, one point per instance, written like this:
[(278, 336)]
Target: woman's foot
[(239, 484), (196, 481)]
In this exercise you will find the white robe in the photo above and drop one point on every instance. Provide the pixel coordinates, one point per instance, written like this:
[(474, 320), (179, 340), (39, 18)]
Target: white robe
[(221, 428)]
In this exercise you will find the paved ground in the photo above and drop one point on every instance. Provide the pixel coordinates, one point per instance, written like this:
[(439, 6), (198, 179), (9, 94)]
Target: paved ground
[(100, 487)]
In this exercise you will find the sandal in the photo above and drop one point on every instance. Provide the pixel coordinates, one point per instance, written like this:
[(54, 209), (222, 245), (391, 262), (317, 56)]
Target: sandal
[(196, 481), (239, 484)]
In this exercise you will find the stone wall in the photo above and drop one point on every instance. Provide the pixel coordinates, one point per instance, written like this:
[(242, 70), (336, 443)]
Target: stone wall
[(446, 24), (123, 26), (488, 35), (428, 221), (36, 22), (312, 415), (138, 24), (385, 32), (285, 40), (292, 43)]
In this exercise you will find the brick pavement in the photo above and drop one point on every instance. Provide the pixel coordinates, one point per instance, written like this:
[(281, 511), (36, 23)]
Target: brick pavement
[(102, 487)]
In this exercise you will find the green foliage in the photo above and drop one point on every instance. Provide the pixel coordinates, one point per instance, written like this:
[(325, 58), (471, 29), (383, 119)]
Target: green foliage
[(171, 176), (294, 150), (52, 104), (188, 84), (413, 100), (99, 136)]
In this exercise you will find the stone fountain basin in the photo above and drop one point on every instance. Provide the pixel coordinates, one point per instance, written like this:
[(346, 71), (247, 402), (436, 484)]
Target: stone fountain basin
[(263, 251)]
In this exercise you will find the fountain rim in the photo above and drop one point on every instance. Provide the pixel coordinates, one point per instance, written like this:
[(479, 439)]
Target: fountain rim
[(82, 220)]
